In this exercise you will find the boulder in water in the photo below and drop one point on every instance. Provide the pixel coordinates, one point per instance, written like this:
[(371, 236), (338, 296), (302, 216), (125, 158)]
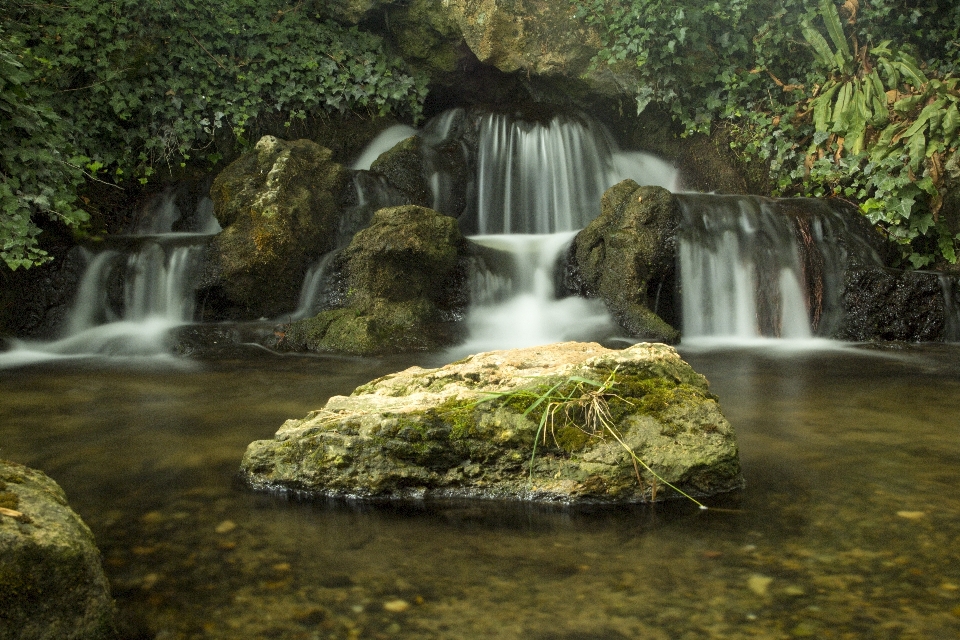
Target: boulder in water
[(404, 285), (475, 428), (278, 207), (627, 257), (52, 584)]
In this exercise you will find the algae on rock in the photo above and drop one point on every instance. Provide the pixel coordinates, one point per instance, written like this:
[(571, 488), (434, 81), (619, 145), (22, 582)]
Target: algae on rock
[(463, 430), (52, 583), (626, 257), (404, 287)]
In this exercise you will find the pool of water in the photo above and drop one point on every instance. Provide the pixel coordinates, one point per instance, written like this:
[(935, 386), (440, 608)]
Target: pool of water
[(847, 528)]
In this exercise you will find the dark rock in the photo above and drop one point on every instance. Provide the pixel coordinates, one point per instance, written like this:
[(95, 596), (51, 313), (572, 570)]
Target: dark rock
[(887, 304), (627, 257), (52, 583), (402, 166)]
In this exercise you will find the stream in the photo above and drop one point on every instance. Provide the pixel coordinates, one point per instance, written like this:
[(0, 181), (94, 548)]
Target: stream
[(847, 527)]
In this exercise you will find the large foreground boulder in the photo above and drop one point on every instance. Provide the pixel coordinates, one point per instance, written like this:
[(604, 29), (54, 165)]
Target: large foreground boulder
[(478, 428), (627, 257), (403, 285), (278, 206), (52, 584)]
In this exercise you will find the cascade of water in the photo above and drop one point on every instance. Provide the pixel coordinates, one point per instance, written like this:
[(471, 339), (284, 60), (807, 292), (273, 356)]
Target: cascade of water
[(529, 186), (383, 142), (740, 271), (514, 296), (535, 178), (311, 292), (753, 267), (132, 292)]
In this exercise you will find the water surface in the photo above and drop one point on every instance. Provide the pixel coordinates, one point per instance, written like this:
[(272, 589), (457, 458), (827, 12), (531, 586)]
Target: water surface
[(847, 527)]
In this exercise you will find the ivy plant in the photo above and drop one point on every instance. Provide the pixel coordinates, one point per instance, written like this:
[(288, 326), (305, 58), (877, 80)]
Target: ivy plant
[(126, 89), (850, 99)]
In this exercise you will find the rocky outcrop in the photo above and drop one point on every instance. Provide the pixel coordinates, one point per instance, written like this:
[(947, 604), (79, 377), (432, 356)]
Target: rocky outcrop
[(535, 38), (478, 428), (403, 283), (52, 584), (627, 257), (278, 207)]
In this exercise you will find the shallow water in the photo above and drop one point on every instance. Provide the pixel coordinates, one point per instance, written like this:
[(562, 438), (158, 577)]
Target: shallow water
[(847, 527)]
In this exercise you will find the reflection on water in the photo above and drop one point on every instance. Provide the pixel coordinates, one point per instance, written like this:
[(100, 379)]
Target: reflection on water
[(847, 527)]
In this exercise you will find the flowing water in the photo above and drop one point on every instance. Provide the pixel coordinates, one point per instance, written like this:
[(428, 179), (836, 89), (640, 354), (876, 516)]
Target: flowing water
[(847, 527)]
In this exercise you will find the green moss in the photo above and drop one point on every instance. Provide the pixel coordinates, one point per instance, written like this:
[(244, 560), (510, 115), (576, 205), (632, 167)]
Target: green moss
[(571, 438), (9, 500), (460, 416)]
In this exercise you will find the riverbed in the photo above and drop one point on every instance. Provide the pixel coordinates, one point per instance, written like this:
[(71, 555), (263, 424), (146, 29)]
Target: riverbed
[(847, 527)]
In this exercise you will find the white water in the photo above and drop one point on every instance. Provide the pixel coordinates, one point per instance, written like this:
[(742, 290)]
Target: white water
[(383, 142), (536, 186), (534, 178), (157, 293), (514, 300), (741, 278), (531, 187)]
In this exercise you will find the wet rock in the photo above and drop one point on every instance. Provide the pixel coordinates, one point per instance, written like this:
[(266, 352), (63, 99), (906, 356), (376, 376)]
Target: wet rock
[(626, 257), (52, 583), (887, 304), (464, 430), (402, 166), (278, 207), (404, 277)]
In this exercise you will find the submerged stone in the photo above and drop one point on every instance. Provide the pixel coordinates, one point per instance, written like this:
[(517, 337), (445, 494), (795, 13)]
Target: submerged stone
[(571, 423), (52, 583)]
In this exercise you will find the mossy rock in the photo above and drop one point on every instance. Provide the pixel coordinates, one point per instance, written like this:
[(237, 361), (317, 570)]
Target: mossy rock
[(52, 583), (626, 257), (278, 207), (405, 277), (476, 428)]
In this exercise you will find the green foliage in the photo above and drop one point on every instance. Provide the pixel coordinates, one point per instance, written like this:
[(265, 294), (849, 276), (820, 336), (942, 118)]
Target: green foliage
[(853, 101), (128, 88), (36, 179)]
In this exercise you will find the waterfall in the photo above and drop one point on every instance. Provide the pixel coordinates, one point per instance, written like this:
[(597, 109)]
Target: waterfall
[(514, 297), (753, 268), (134, 289), (521, 190), (951, 309)]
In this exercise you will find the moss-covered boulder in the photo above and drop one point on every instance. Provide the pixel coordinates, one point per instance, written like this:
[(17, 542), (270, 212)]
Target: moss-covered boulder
[(474, 428), (627, 257), (404, 284), (278, 206), (52, 583)]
